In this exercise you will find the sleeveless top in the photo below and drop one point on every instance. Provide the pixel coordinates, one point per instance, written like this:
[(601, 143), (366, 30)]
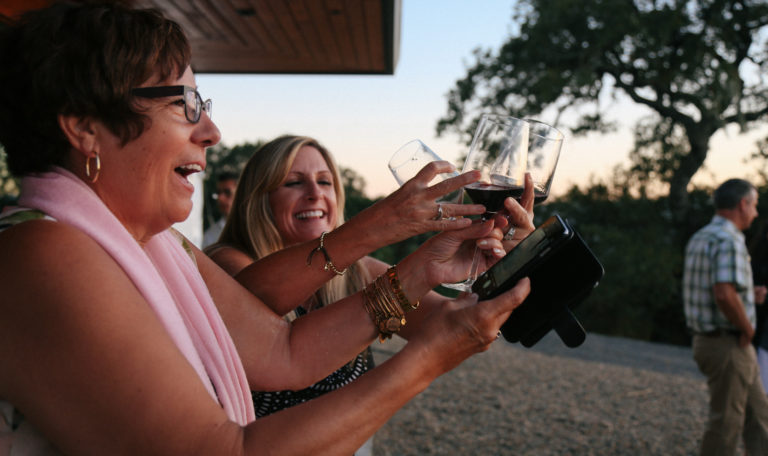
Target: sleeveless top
[(17, 436)]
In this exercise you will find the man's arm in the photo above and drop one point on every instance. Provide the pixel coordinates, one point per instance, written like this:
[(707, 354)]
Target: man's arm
[(729, 303)]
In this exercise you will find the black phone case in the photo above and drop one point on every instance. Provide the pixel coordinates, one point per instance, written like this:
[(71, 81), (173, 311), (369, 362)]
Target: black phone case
[(559, 282), (485, 287)]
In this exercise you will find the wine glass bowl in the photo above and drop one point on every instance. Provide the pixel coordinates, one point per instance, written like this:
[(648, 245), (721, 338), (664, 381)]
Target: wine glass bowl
[(545, 142), (499, 151), (410, 158)]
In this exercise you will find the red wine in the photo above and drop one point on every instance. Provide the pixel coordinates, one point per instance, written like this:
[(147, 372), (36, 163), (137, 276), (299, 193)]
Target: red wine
[(492, 196), (539, 198)]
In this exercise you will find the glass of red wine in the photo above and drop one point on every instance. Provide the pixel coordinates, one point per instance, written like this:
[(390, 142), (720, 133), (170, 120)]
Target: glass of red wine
[(499, 151), (544, 144)]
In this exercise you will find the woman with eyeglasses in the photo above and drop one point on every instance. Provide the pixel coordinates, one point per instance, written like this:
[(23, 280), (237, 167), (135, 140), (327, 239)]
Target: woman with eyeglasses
[(111, 339)]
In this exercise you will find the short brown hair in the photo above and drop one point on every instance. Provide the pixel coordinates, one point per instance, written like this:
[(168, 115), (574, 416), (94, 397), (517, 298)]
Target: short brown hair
[(83, 60)]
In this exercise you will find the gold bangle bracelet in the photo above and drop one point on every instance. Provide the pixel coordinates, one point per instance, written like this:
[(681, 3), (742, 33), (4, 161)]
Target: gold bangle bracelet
[(383, 310), (397, 289), (386, 297)]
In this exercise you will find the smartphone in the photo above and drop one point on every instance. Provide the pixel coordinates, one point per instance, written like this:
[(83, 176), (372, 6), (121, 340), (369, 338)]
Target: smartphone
[(563, 271)]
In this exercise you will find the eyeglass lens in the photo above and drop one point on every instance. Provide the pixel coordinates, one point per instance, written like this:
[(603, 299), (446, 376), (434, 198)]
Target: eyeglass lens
[(194, 104)]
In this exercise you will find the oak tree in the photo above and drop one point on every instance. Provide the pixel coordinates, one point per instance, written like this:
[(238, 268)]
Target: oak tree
[(696, 65)]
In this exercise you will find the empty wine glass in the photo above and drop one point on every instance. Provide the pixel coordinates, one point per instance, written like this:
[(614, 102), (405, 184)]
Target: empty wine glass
[(544, 144), (499, 151), (414, 155)]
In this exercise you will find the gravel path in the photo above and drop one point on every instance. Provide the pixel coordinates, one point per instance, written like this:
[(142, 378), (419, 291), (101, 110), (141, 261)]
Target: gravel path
[(611, 396)]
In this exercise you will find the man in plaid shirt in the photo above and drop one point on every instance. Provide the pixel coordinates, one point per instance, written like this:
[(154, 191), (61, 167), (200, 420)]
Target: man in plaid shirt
[(719, 301)]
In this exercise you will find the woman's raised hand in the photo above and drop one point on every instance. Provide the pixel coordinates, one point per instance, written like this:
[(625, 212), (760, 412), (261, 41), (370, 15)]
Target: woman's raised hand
[(463, 326), (412, 209), (447, 256), (519, 216)]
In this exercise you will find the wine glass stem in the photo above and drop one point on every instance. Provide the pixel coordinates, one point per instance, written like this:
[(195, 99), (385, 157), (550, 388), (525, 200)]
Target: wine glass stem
[(476, 257), (473, 269)]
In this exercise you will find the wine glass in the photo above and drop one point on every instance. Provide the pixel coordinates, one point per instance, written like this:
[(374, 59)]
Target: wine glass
[(544, 144), (499, 151), (409, 159)]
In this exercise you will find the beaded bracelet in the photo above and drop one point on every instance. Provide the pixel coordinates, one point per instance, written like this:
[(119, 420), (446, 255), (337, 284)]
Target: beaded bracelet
[(328, 262)]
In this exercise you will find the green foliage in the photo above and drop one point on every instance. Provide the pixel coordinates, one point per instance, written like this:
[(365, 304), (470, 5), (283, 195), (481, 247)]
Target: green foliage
[(695, 64), (354, 191)]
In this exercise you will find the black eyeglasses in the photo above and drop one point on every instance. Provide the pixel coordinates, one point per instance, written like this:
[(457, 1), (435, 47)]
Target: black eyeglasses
[(193, 102)]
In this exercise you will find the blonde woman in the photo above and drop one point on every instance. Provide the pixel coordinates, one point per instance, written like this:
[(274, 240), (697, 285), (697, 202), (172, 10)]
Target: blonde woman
[(290, 192)]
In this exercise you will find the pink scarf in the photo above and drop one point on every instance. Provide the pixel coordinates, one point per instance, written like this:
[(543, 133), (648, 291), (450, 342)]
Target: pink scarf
[(164, 274)]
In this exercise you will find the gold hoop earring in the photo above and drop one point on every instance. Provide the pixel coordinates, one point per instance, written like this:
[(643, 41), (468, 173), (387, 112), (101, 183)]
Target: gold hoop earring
[(95, 176)]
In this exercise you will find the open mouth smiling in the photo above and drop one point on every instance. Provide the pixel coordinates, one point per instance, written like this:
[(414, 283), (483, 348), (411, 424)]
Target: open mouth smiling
[(310, 215), (186, 170)]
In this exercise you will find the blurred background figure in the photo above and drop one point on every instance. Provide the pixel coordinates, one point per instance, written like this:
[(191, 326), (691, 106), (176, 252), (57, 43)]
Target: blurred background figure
[(719, 302), (226, 183)]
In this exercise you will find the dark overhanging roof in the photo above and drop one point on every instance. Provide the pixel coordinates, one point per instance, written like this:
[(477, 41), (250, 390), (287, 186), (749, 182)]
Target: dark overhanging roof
[(279, 36)]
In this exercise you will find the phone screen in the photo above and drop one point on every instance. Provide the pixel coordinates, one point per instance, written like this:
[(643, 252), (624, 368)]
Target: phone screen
[(534, 245), (521, 254)]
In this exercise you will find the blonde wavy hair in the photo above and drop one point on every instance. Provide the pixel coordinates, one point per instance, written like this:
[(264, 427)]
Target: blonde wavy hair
[(250, 226)]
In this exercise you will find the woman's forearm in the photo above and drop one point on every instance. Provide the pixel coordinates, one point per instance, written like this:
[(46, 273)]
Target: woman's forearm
[(341, 421), (285, 280)]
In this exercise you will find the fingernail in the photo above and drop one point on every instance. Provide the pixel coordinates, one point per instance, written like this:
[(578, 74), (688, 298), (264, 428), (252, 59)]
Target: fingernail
[(499, 252), (482, 243)]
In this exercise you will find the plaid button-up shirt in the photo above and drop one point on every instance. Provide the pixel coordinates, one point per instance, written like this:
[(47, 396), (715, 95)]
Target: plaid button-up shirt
[(716, 253)]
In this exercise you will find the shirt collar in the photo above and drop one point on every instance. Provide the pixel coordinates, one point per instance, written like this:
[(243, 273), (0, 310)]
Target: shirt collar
[(727, 225)]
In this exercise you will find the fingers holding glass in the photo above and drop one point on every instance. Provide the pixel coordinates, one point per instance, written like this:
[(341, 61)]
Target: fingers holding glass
[(498, 152), (416, 160), (440, 214)]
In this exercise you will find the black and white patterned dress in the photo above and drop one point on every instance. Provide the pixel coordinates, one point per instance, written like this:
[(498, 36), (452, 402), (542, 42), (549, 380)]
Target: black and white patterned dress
[(268, 402)]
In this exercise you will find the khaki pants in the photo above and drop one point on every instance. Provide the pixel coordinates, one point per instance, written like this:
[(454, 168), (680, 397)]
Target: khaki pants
[(737, 402)]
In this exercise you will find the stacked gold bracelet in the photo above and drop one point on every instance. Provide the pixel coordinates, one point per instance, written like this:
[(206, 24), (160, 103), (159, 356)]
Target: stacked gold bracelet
[(384, 301), (397, 289)]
